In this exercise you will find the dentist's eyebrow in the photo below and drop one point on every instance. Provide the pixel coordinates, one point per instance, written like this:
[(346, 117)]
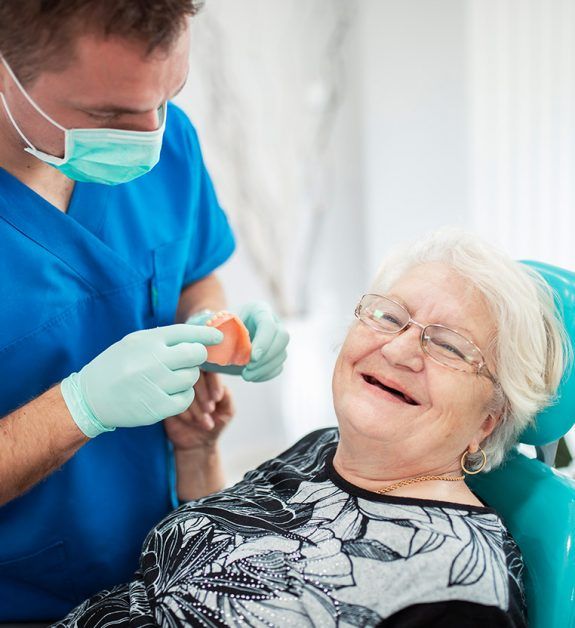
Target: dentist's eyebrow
[(114, 109)]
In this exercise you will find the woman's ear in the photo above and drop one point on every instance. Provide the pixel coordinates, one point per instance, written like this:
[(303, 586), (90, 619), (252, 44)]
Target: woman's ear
[(486, 428)]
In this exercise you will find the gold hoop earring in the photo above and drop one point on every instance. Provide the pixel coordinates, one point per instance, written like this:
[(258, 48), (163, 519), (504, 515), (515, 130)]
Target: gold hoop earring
[(463, 460)]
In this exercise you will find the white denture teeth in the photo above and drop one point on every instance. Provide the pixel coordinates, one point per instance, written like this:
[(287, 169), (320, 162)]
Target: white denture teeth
[(216, 316)]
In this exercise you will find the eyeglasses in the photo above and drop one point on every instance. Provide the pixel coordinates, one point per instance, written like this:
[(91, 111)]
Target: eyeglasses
[(441, 344)]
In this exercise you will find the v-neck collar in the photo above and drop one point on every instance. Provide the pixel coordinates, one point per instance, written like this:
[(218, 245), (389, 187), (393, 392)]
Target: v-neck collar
[(89, 205), (73, 236), (88, 202)]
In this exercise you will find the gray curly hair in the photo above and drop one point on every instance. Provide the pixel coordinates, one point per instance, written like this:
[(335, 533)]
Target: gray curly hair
[(530, 349)]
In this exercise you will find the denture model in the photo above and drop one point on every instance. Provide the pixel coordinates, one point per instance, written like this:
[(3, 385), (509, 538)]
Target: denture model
[(236, 346)]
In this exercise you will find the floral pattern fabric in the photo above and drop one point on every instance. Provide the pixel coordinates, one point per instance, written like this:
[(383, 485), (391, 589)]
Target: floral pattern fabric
[(293, 544)]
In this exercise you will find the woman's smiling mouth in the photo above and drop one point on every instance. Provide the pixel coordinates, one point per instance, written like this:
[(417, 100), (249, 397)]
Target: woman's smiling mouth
[(396, 393)]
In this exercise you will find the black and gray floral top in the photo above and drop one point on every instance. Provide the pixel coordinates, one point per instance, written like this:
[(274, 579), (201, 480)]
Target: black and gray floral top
[(294, 544)]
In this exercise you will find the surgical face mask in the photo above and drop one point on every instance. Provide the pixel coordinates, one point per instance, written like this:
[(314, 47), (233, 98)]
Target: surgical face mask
[(109, 156)]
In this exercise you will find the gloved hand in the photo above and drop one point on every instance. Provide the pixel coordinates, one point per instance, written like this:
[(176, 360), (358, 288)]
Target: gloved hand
[(145, 377), (269, 341)]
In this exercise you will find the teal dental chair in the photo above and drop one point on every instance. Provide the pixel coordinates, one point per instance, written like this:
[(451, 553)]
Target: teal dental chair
[(536, 502)]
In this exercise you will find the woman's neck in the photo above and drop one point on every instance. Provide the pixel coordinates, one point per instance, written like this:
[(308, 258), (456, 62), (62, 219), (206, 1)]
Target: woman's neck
[(372, 471)]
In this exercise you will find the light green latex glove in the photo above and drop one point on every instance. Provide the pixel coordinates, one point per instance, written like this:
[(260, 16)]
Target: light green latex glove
[(269, 341), (145, 377)]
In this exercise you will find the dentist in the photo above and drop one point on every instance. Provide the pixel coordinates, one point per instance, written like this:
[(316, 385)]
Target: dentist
[(110, 234)]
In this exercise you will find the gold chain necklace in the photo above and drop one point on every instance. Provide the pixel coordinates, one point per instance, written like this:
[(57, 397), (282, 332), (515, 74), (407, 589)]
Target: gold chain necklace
[(423, 478)]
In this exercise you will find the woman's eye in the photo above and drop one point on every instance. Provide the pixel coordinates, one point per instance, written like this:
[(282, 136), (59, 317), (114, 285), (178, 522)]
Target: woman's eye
[(385, 317), (451, 349), (391, 319)]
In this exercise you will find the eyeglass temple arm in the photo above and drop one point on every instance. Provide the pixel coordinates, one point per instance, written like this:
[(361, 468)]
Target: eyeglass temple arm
[(483, 370)]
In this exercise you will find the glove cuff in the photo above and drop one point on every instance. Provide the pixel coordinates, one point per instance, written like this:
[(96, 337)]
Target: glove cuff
[(79, 409)]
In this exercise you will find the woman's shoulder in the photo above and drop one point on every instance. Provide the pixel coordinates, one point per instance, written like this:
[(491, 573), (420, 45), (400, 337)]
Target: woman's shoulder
[(449, 553), (319, 440), (302, 461)]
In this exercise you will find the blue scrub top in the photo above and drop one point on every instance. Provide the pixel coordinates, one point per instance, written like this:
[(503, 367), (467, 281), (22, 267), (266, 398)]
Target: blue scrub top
[(71, 285)]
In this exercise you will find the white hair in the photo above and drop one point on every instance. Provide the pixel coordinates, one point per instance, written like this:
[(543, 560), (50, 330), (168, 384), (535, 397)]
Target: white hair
[(530, 349)]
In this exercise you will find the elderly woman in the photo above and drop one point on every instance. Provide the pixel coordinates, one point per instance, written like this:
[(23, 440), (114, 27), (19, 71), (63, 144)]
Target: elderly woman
[(454, 350)]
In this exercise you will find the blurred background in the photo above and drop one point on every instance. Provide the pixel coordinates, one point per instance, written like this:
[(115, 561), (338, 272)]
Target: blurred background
[(334, 129)]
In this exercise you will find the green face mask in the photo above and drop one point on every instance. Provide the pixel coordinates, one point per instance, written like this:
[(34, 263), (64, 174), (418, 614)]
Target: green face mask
[(109, 156)]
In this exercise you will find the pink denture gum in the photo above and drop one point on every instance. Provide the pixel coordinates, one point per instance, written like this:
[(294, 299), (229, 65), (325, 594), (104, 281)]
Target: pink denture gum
[(236, 346)]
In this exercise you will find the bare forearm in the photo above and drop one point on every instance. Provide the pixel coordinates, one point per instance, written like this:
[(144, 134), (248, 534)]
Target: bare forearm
[(207, 293), (35, 440), (199, 473)]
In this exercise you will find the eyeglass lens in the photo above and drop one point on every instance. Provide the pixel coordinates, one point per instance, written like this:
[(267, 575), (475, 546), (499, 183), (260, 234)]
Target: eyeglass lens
[(441, 343)]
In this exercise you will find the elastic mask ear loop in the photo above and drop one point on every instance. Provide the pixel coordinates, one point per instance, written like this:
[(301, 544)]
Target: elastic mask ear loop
[(29, 98), (19, 131), (31, 148)]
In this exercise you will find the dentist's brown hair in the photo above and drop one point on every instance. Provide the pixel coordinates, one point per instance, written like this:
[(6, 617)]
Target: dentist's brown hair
[(38, 35)]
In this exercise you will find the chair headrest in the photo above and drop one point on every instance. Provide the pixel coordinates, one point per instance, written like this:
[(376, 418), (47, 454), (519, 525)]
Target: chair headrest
[(559, 418)]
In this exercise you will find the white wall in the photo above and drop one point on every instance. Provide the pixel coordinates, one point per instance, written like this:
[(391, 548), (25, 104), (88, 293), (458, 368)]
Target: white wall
[(413, 116)]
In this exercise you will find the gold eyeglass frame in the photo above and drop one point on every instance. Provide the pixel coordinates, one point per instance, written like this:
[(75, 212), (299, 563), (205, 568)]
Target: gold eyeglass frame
[(480, 369)]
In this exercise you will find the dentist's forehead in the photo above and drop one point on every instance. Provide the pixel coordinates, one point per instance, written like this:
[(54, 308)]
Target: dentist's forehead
[(116, 75)]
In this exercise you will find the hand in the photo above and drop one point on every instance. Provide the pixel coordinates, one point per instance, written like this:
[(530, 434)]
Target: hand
[(269, 341), (200, 426), (140, 380)]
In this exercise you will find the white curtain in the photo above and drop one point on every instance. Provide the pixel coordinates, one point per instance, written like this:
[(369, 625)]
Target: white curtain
[(522, 125), (266, 84)]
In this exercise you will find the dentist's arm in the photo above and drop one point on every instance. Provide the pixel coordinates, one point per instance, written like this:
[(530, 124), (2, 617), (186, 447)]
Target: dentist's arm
[(205, 294), (141, 379), (35, 440)]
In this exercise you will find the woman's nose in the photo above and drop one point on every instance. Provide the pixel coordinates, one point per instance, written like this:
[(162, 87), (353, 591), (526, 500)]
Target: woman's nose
[(404, 349)]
